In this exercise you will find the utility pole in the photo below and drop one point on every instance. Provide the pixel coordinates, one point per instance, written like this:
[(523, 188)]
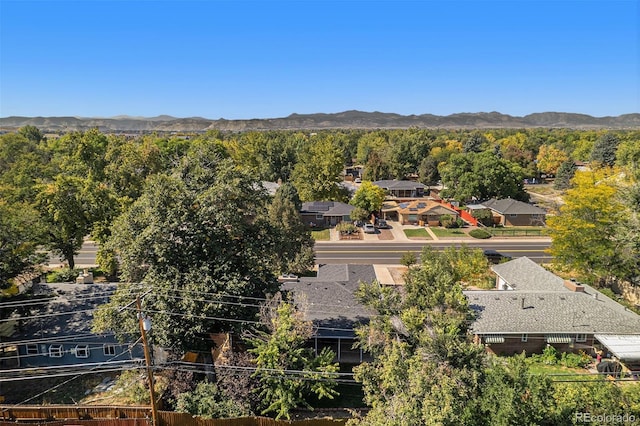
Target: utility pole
[(145, 325)]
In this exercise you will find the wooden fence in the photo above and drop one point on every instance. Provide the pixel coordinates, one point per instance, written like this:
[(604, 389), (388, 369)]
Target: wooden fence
[(59, 415)]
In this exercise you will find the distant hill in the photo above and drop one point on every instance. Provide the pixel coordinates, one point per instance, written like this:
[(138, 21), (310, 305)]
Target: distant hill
[(341, 120)]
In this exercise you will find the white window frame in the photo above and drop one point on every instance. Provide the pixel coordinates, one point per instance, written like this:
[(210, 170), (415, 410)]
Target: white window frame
[(32, 349), (524, 338), (108, 350), (581, 338), (84, 349), (55, 351), (319, 216)]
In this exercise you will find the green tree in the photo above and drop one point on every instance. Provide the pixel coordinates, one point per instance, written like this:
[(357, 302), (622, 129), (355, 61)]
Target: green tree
[(359, 213), (32, 133), (23, 164), (288, 371), (318, 173), (20, 234), (481, 176), (565, 173), (512, 395), (424, 370), (628, 154), (66, 215), (128, 164), (604, 150), (428, 171), (368, 197), (295, 240), (201, 241), (475, 143), (209, 402)]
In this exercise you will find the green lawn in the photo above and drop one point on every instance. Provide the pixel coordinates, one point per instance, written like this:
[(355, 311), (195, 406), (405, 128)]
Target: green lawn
[(560, 372), (321, 235), (448, 232), (417, 233), (518, 231)]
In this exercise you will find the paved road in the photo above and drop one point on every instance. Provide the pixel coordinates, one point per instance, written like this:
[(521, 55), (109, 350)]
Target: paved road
[(85, 258), (390, 252), (377, 252)]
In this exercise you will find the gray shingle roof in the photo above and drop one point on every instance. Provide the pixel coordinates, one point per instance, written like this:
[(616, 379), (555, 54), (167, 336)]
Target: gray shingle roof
[(549, 312), (511, 206), (327, 208), (548, 307), (398, 184), (328, 299), (524, 274)]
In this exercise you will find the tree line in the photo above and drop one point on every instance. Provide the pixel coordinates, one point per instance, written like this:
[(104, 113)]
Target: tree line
[(77, 185)]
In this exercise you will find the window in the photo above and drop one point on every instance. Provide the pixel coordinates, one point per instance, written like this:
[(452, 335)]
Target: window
[(82, 351), (32, 349), (109, 350), (581, 338), (319, 216), (513, 215), (524, 338), (55, 351)]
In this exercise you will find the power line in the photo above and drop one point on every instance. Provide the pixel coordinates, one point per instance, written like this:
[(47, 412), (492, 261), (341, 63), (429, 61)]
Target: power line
[(60, 384)]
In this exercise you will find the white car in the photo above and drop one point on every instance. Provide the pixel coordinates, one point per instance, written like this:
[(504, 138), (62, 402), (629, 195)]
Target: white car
[(369, 228)]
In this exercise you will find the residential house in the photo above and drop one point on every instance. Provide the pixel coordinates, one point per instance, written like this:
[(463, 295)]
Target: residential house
[(352, 173), (56, 330), (328, 301), (510, 212), (532, 308), (402, 189), (418, 212), (325, 213)]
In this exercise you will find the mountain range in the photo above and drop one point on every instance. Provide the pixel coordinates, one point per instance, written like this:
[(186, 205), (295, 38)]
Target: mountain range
[(341, 120)]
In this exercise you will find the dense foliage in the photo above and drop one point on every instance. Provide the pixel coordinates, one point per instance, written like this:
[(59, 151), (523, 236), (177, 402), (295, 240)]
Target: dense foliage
[(426, 370)]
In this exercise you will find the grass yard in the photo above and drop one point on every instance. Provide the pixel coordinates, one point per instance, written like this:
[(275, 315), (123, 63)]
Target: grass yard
[(417, 233), (448, 232), (560, 372), (518, 231), (321, 235)]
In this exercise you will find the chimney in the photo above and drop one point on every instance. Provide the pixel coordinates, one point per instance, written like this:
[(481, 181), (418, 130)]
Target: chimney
[(522, 303), (574, 286)]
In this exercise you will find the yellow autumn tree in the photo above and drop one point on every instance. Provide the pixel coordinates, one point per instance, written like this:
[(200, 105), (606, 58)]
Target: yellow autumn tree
[(550, 159), (584, 232)]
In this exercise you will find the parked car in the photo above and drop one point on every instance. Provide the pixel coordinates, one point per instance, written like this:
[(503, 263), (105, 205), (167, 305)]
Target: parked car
[(358, 180), (369, 228), (382, 224), (287, 278), (496, 257)]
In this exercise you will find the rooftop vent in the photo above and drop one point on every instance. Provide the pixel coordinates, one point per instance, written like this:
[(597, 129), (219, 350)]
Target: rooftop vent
[(574, 286)]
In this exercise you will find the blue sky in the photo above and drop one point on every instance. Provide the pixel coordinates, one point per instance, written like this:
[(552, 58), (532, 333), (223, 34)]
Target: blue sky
[(261, 59)]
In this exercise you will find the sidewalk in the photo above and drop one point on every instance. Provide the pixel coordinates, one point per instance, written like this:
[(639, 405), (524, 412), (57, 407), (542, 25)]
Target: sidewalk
[(397, 231)]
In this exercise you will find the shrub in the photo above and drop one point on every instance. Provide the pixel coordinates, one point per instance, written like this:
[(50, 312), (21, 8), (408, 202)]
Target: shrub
[(408, 258), (63, 275), (549, 355), (346, 228), (580, 360), (480, 234), (484, 216)]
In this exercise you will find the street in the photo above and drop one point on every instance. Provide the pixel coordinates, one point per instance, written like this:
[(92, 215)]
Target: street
[(390, 253), (376, 252)]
